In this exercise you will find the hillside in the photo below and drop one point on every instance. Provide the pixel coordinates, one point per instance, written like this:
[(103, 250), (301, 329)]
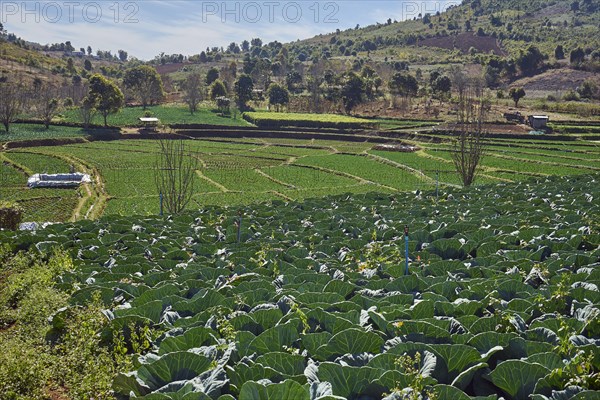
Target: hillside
[(513, 24)]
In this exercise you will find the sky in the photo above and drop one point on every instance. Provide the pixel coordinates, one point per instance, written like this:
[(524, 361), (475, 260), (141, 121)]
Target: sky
[(145, 28)]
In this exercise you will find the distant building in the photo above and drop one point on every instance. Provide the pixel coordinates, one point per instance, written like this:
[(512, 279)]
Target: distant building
[(76, 54), (538, 121)]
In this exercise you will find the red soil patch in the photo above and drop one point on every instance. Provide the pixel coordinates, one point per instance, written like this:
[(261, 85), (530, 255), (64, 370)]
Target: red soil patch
[(464, 41), (170, 68)]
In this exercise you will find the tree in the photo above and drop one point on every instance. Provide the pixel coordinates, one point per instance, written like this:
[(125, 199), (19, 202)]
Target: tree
[(245, 46), (353, 90), (293, 81), (468, 146), (223, 104), (175, 174), (575, 6), (46, 102), (559, 52), (192, 88), (530, 60), (243, 90), (87, 65), (516, 94), (123, 55), (87, 111), (256, 43), (441, 87), (12, 102), (577, 56), (588, 89), (145, 83), (71, 66), (212, 75), (404, 85), (105, 96), (278, 95), (89, 50), (217, 89)]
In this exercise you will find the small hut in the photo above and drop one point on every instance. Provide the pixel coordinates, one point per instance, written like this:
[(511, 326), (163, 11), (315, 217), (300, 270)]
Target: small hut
[(150, 123)]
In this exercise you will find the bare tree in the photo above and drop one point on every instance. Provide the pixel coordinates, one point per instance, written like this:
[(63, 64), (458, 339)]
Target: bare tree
[(87, 111), (12, 102), (174, 174), (193, 91), (468, 146), (46, 102), (314, 81)]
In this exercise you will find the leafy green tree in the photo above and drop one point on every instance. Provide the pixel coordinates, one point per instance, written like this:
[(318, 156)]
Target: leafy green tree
[(293, 80), (353, 90), (577, 56), (212, 75), (123, 55), (145, 82), (87, 65), (403, 84), (71, 66), (243, 88), (223, 104), (530, 60), (217, 89), (278, 95), (575, 6), (588, 89), (559, 52), (105, 96), (441, 87), (516, 94)]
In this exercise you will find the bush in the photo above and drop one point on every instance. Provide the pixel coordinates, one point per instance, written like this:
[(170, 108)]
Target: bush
[(10, 215), (571, 95)]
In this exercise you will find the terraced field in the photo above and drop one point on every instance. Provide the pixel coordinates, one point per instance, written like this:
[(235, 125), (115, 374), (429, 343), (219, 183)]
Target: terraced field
[(244, 171), (311, 300)]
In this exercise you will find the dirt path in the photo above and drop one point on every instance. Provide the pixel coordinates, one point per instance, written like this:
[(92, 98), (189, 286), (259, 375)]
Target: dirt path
[(269, 177), (215, 183)]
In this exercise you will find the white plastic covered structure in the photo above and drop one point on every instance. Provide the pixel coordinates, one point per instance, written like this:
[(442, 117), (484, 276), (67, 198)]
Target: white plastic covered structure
[(58, 180)]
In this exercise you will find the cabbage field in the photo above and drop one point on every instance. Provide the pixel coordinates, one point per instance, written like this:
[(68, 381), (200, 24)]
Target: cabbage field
[(309, 300)]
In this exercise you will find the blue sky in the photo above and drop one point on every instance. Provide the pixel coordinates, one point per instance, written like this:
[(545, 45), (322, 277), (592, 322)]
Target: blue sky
[(145, 28)]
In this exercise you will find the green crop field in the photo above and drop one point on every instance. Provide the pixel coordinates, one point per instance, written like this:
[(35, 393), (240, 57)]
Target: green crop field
[(31, 132), (168, 114), (246, 171), (498, 298)]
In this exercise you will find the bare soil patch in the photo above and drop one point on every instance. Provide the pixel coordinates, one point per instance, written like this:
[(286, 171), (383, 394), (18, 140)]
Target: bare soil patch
[(555, 80), (464, 41)]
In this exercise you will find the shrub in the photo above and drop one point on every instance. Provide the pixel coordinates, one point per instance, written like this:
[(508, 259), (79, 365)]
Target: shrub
[(10, 215), (571, 95)]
